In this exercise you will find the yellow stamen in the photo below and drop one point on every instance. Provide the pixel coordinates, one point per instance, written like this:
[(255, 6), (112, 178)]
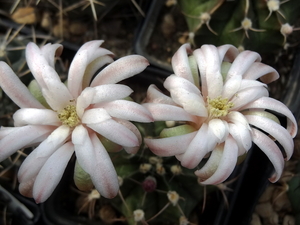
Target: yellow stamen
[(219, 107), (68, 116)]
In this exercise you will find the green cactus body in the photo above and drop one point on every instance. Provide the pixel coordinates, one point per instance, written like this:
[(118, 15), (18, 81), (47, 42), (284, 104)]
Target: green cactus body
[(255, 25)]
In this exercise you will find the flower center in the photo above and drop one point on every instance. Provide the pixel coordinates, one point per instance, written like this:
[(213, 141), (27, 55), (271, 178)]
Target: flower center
[(68, 116), (218, 107)]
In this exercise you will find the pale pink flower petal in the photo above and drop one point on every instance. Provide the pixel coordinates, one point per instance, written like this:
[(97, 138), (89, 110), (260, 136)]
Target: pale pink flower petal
[(219, 128), (275, 130), (37, 63), (238, 118), (231, 87), (33, 116), (266, 73), (276, 106), (115, 132), (164, 112), (54, 91), (25, 188), (214, 79), (246, 96), (88, 52), (226, 158), (93, 68), (84, 148), (170, 146), (242, 63), (51, 173), (24, 136), (119, 70), (271, 150), (133, 128), (40, 154), (180, 59), (242, 136), (174, 82), (15, 89), (204, 142), (227, 53), (127, 110), (50, 51), (97, 115), (190, 102), (104, 177), (201, 61), (154, 95)]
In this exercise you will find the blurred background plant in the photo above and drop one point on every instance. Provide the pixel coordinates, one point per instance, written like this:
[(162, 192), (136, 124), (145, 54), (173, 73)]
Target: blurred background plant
[(261, 26)]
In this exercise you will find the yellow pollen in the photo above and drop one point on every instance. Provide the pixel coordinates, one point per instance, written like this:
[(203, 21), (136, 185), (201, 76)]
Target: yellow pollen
[(218, 107), (68, 116)]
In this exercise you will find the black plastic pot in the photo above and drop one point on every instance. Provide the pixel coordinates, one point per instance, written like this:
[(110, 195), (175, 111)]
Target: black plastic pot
[(21, 209), (146, 32)]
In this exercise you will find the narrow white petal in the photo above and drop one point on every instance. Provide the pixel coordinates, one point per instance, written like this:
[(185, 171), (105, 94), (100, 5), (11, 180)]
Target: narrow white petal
[(231, 87), (154, 95), (25, 188), (213, 71), (115, 132), (170, 146), (50, 52), (51, 173), (164, 112), (180, 63), (87, 53), (174, 82), (4, 131), (54, 91), (93, 68), (276, 106), (271, 150), (34, 116), (16, 90), (247, 84), (96, 115), (192, 103), (204, 142), (40, 154), (266, 73), (133, 128), (202, 65), (84, 148), (242, 135), (37, 64), (242, 63), (104, 175), (247, 96), (105, 92), (275, 130), (21, 137), (219, 128), (238, 118), (119, 70), (84, 100), (225, 161), (128, 110), (227, 53)]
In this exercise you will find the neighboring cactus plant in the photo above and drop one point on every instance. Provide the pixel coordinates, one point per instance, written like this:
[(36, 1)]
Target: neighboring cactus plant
[(12, 50), (261, 26)]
